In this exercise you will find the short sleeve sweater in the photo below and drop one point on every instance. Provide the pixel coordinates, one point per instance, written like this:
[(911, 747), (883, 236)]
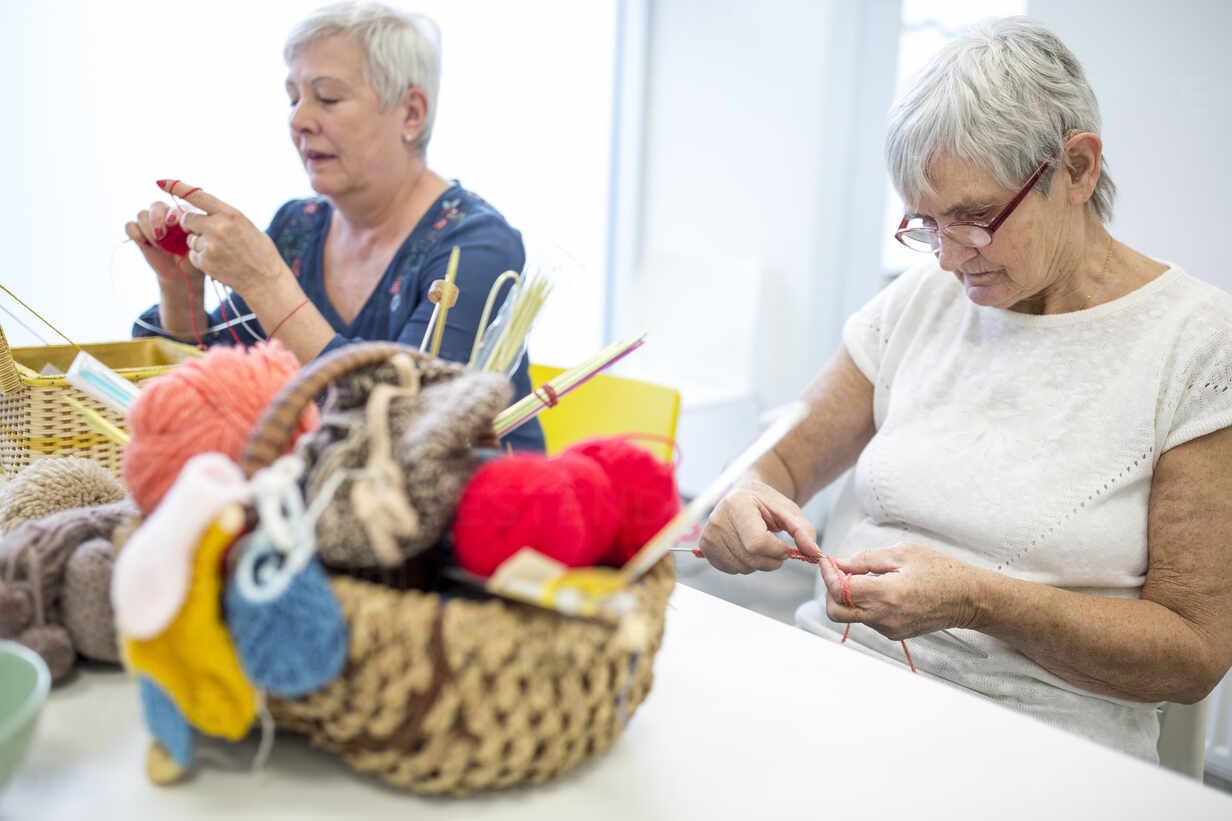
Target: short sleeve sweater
[(1026, 444)]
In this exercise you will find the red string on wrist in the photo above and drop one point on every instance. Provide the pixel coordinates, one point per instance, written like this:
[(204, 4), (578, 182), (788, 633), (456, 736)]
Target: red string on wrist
[(290, 314)]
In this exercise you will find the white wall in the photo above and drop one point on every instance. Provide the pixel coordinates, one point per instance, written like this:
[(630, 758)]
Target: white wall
[(1160, 71), (105, 98), (759, 190)]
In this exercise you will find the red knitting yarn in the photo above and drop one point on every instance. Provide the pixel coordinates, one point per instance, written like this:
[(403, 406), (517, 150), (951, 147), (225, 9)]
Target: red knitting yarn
[(523, 500), (206, 404), (644, 486), (600, 504), (175, 241)]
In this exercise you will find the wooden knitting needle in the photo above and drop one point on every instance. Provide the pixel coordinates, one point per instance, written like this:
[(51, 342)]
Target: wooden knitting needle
[(444, 293)]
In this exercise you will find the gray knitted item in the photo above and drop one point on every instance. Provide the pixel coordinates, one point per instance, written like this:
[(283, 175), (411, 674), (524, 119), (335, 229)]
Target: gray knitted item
[(85, 604), (431, 434), (35, 558)]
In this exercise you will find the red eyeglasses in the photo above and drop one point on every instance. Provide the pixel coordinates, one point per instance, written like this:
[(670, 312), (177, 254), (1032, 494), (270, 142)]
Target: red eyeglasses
[(920, 236)]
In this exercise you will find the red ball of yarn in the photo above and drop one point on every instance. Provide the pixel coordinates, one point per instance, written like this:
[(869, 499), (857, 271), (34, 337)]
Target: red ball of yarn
[(559, 507), (645, 488), (206, 404), (175, 241), (599, 502)]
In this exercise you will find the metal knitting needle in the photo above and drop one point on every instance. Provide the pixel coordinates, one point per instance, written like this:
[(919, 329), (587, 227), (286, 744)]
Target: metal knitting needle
[(796, 554)]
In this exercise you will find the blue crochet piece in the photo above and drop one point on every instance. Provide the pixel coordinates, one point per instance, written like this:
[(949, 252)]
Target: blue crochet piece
[(294, 642), (167, 724)]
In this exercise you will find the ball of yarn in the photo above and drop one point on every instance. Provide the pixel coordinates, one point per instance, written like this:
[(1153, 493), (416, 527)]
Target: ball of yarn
[(645, 489), (599, 503), (524, 500), (16, 608), (52, 484), (51, 641), (206, 404)]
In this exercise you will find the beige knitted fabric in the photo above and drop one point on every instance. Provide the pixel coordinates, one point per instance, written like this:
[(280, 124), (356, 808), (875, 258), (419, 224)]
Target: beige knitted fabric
[(54, 484), (457, 696)]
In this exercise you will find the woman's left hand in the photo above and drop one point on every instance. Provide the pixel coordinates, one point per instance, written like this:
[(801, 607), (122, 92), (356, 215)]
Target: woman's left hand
[(223, 243), (901, 591)]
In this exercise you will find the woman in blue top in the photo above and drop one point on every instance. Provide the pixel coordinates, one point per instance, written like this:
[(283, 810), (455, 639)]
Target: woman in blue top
[(356, 262)]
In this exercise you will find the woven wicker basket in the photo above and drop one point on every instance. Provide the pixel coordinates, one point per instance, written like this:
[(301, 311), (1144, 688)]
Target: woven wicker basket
[(34, 420), (449, 695)]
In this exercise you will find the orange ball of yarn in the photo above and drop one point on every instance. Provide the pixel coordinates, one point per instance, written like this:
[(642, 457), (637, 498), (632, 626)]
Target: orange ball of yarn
[(206, 404)]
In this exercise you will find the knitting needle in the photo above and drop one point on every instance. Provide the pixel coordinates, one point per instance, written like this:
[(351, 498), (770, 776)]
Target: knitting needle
[(796, 554), (447, 296)]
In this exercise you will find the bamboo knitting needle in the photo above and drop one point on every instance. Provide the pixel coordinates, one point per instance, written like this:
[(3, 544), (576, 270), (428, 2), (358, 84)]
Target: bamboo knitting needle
[(445, 294)]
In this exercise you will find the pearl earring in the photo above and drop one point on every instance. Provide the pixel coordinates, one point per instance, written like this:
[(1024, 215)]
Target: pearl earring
[(406, 138)]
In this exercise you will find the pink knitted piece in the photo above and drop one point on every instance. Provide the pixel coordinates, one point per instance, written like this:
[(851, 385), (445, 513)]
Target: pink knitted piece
[(154, 570)]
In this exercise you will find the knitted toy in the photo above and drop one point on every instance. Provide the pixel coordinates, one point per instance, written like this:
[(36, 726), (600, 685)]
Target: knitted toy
[(56, 577), (49, 485), (401, 432)]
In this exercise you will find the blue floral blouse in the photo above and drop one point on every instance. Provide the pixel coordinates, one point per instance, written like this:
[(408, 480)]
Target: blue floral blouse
[(398, 308)]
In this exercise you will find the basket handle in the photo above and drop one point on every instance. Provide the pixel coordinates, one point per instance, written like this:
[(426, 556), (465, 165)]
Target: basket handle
[(273, 430), (10, 381)]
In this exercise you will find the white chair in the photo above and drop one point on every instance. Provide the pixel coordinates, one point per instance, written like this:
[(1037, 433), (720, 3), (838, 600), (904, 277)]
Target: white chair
[(1182, 737)]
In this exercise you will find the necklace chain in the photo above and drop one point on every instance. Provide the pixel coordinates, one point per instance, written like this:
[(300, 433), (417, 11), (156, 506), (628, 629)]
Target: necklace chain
[(1104, 271)]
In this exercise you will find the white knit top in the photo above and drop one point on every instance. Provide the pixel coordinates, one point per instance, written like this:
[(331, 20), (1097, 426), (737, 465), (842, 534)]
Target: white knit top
[(1026, 444)]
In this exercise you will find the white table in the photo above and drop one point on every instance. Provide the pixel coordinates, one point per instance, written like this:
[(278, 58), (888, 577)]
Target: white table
[(748, 718)]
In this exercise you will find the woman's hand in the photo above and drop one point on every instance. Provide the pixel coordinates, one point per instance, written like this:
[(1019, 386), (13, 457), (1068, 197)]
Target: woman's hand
[(223, 243), (901, 591), (739, 536), (151, 226)]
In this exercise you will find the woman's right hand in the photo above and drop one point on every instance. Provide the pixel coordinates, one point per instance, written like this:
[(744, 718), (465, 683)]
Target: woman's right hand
[(739, 536), (151, 226)]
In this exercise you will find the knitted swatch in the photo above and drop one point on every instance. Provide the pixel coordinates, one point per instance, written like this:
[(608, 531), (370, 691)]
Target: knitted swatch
[(293, 642), (166, 723)]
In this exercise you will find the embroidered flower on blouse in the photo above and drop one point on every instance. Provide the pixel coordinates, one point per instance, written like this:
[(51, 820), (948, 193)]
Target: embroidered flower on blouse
[(295, 267), (310, 207), (450, 212)]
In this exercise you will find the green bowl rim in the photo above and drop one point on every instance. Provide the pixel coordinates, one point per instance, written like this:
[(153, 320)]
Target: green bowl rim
[(34, 701)]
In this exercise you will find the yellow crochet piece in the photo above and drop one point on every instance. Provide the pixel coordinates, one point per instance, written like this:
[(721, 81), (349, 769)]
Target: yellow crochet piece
[(193, 659)]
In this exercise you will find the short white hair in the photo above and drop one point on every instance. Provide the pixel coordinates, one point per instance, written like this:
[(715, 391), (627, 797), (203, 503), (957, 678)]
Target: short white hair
[(401, 50), (1001, 97)]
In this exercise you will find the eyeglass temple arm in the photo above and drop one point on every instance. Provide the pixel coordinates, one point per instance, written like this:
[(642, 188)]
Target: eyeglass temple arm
[(1012, 204)]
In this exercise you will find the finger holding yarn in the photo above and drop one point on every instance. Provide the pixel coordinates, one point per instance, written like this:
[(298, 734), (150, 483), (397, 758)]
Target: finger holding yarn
[(207, 404)]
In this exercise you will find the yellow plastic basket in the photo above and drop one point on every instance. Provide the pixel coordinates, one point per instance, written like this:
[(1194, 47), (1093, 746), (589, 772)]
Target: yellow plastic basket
[(35, 421)]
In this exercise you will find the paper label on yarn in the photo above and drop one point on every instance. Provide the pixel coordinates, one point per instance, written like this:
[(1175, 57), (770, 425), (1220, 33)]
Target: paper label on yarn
[(525, 574)]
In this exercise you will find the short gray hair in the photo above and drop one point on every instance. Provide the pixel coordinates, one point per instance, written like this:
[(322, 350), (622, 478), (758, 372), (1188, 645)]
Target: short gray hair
[(401, 50), (1001, 97)]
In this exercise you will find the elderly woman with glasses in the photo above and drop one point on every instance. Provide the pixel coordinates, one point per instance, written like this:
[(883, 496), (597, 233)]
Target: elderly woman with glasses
[(355, 262), (1037, 416)]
